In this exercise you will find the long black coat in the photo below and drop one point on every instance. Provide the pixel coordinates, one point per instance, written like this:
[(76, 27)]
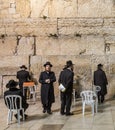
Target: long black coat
[(47, 89), (16, 91), (23, 76), (100, 79), (66, 78)]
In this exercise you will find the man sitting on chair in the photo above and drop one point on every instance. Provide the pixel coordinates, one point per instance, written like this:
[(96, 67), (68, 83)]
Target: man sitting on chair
[(15, 91)]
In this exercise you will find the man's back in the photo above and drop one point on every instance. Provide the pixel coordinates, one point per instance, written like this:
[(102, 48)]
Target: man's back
[(16, 91), (66, 78)]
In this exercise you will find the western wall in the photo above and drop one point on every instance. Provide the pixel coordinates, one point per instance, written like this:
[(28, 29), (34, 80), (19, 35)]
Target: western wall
[(35, 31)]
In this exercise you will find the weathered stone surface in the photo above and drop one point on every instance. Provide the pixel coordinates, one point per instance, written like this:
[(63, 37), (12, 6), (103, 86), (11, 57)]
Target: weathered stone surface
[(13, 61), (97, 8), (23, 7), (7, 46), (25, 46), (53, 8)]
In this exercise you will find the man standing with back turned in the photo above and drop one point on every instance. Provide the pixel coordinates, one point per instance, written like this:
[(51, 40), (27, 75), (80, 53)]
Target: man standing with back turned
[(23, 76), (100, 79), (66, 79)]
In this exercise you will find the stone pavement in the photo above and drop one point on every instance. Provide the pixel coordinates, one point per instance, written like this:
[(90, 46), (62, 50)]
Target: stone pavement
[(103, 120)]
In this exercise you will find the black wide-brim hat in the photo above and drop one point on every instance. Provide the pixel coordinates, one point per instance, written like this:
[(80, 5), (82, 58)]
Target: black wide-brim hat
[(11, 84), (48, 63), (23, 66), (99, 65), (69, 63)]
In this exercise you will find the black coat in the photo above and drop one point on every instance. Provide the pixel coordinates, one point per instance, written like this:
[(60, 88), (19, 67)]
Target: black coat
[(100, 79), (16, 91), (66, 78), (47, 89), (23, 76)]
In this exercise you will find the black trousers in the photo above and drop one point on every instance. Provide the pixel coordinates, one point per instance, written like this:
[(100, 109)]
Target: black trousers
[(66, 100), (47, 106), (101, 97)]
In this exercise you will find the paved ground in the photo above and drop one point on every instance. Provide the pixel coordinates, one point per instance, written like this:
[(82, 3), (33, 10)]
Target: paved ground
[(103, 120)]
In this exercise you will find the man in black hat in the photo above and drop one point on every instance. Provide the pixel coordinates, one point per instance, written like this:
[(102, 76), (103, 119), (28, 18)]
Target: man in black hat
[(23, 76), (47, 78), (15, 91), (66, 79), (100, 79)]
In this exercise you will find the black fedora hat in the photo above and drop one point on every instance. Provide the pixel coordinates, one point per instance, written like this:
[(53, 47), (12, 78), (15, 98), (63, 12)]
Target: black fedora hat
[(69, 63), (11, 84), (23, 66), (99, 65), (48, 63)]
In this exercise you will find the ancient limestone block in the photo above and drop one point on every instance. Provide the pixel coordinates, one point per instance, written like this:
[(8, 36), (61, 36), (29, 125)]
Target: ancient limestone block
[(97, 8), (13, 61), (7, 45), (23, 8), (95, 45), (47, 46), (112, 64), (25, 46), (57, 8), (109, 22), (69, 26), (36, 64)]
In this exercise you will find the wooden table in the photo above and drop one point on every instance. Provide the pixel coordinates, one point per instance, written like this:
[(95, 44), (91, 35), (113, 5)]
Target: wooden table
[(30, 86)]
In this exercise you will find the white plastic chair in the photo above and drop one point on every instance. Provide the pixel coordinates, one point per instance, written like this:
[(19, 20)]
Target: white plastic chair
[(89, 98), (14, 104)]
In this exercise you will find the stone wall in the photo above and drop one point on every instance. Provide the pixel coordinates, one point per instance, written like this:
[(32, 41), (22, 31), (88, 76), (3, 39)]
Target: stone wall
[(33, 32)]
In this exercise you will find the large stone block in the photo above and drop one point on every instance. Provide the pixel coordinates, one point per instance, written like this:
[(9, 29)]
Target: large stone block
[(13, 61), (57, 8), (78, 26), (30, 27), (25, 46), (36, 64), (112, 64), (97, 8), (83, 45), (7, 45), (23, 7)]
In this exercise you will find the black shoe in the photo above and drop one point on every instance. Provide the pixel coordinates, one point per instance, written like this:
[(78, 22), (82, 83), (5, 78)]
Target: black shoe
[(49, 112), (44, 110), (62, 113), (69, 114)]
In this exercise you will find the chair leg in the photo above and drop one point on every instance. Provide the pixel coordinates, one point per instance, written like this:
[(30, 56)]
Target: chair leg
[(83, 108), (92, 109), (9, 117), (18, 112), (34, 97)]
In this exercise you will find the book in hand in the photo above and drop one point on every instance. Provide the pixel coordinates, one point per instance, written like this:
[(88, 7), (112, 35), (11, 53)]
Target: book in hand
[(62, 88)]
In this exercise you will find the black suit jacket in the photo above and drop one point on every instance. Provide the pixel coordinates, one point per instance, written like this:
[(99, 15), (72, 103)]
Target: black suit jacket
[(66, 78), (16, 91), (100, 79), (23, 76)]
